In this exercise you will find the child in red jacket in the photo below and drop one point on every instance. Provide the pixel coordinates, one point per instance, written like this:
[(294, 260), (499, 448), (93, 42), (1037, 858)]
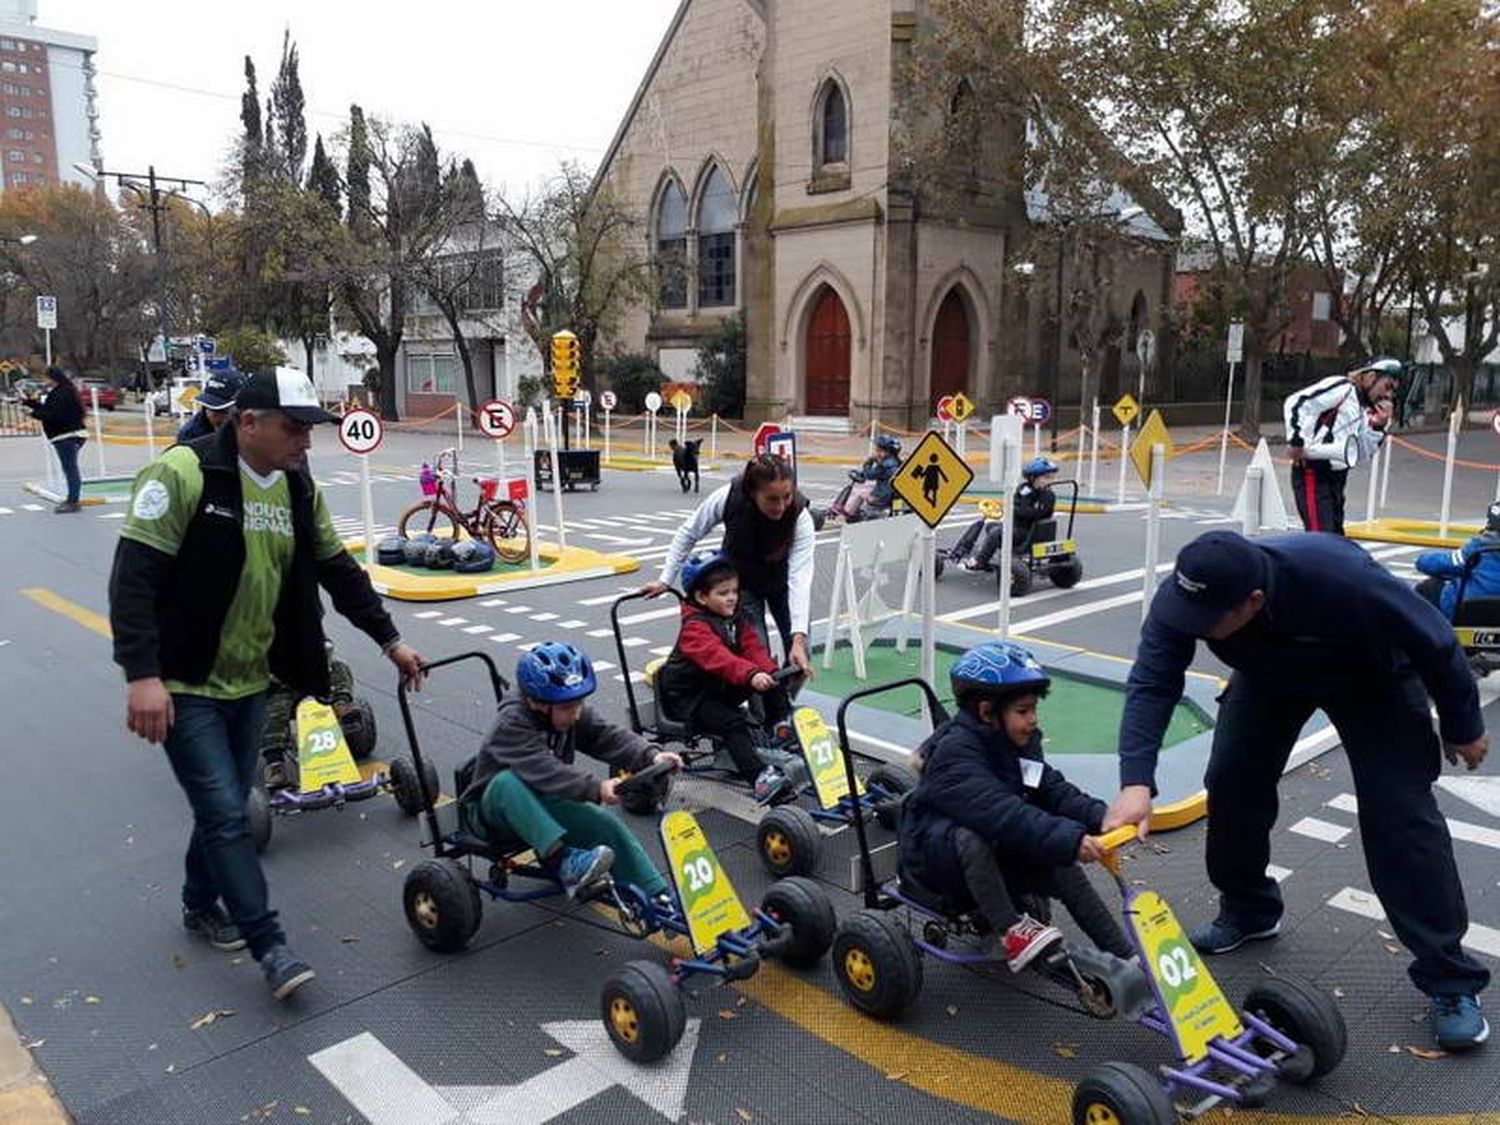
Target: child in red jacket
[(719, 662)]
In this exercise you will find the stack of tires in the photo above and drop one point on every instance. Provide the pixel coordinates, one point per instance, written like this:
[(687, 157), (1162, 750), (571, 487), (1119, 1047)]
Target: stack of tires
[(432, 553)]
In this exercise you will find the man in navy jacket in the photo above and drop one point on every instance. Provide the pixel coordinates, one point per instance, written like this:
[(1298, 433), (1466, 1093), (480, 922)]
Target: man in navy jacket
[(1311, 622)]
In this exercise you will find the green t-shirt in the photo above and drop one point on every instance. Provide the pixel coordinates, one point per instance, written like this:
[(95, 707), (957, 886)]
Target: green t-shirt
[(164, 501)]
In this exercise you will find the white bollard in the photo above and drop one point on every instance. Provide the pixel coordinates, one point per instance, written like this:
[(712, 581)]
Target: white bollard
[(1250, 521), (1124, 453), (1454, 421), (929, 611), (150, 431), (1385, 472), (1094, 451), (1010, 458), (98, 430), (713, 437), (458, 415), (1370, 492), (606, 435), (1224, 434), (51, 471), (1153, 526), (367, 507)]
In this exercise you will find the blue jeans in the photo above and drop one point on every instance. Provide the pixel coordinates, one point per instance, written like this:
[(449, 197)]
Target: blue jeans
[(67, 456), (214, 750)]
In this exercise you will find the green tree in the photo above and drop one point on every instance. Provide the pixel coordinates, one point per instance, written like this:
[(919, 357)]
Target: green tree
[(721, 369), (251, 348), (323, 179), (287, 108)]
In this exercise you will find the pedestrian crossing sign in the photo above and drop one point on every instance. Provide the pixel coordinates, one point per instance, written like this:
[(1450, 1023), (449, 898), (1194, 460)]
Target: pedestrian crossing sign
[(932, 479)]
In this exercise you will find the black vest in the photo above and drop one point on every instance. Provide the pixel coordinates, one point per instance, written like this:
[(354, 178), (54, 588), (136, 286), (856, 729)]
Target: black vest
[(759, 547), (205, 575), (683, 683)]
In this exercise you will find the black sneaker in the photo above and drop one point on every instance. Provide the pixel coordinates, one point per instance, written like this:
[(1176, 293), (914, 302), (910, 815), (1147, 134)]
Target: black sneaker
[(285, 972), (215, 927), (1223, 935)]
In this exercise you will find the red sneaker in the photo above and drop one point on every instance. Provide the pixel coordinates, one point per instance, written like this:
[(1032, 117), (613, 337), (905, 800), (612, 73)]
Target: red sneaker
[(1026, 940)]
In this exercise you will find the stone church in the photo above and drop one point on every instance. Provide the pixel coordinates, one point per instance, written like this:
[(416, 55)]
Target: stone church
[(761, 156)]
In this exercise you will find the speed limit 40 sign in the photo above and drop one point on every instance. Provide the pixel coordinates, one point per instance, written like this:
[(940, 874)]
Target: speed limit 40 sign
[(361, 431)]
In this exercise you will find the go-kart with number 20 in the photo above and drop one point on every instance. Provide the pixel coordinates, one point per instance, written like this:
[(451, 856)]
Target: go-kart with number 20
[(641, 1003), (1286, 1029)]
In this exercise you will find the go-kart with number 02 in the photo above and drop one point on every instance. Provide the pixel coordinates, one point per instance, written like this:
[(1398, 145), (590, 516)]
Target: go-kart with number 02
[(812, 788), (641, 1003), (1286, 1029)]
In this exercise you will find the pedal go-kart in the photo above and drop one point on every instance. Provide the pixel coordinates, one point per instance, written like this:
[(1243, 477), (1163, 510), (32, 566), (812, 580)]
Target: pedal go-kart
[(1286, 1030), (787, 837), (1039, 553), (323, 773), (641, 1002), (1476, 622)]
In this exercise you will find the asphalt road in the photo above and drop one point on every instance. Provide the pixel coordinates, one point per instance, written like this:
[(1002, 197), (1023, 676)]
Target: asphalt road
[(110, 994)]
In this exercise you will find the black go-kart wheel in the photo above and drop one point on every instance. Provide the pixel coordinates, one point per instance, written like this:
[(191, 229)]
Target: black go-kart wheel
[(800, 903), (258, 813), (788, 841), (1121, 1094), (442, 904), (1020, 578), (358, 723), (1308, 1016), (898, 781), (407, 788), (1066, 574), (876, 964), (643, 1011)]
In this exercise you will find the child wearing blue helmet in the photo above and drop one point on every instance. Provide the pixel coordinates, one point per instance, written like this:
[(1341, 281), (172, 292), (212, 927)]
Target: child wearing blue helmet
[(524, 782), (990, 820), (873, 484), (1034, 501)]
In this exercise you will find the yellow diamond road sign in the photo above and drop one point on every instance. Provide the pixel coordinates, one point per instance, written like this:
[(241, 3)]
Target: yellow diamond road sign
[(960, 407), (1153, 432), (932, 479), (1126, 410)]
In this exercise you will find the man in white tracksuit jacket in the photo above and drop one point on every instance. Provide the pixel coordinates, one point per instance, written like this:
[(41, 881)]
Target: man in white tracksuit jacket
[(1321, 420)]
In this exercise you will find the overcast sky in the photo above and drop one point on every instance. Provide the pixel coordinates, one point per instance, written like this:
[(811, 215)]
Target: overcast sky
[(514, 84)]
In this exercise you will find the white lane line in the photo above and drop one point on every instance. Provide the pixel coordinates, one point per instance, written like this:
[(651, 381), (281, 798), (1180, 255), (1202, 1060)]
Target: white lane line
[(450, 621), (1481, 939), (518, 609), (492, 603), (635, 678), (651, 615), (605, 523), (1316, 829), (1458, 829), (544, 617), (6, 512), (103, 515), (505, 638), (605, 600), (428, 614), (665, 650), (528, 646), (34, 507), (478, 630), (1048, 595), (616, 540), (601, 632), (379, 1085), (1280, 874), (572, 623), (602, 665), (635, 642), (1047, 620)]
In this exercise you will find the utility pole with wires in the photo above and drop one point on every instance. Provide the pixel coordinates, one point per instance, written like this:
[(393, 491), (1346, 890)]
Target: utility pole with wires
[(154, 197)]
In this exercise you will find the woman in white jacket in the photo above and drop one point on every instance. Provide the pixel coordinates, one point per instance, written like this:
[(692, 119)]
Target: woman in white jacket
[(1330, 426)]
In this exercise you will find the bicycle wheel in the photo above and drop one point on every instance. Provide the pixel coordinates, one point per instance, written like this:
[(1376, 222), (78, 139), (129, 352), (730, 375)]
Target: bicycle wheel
[(505, 527), (427, 517)]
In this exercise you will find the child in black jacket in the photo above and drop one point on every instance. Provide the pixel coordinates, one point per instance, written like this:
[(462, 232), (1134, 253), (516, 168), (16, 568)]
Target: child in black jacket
[(990, 820)]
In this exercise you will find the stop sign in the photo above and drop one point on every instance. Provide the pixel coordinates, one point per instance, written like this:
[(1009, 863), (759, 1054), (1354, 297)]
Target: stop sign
[(945, 409), (763, 436)]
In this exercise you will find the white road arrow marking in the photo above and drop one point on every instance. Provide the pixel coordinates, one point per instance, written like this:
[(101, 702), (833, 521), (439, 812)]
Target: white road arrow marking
[(388, 1092)]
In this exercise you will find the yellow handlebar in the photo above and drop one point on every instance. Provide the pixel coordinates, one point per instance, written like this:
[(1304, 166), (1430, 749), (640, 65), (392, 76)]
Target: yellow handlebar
[(1112, 842)]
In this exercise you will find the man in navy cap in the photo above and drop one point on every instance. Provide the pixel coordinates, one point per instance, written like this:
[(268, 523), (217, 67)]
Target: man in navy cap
[(215, 400), (1311, 622)]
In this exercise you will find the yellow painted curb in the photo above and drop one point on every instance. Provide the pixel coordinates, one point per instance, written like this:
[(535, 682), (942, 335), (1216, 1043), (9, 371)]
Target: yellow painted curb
[(1415, 533), (90, 620), (565, 564), (1085, 507)]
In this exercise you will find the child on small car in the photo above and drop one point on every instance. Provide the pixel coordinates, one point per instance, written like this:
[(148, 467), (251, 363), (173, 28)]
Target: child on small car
[(872, 481), (1034, 501), (719, 663), (354, 715), (524, 783), (1479, 557), (990, 821)]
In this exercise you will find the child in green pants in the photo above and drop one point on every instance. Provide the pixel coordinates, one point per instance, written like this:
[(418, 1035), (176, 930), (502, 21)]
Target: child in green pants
[(525, 784)]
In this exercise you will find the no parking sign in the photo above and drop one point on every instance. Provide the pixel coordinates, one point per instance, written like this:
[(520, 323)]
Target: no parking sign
[(497, 418)]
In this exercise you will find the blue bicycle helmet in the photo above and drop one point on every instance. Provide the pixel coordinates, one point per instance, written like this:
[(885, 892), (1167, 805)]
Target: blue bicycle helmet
[(888, 443), (1039, 467), (997, 670), (701, 570), (555, 672)]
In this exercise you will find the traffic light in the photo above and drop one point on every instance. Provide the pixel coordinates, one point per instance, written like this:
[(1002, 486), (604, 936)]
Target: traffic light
[(565, 364)]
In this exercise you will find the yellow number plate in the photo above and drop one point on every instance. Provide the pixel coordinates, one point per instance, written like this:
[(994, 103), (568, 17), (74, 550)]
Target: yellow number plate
[(824, 761), (322, 754), (1478, 638), (1060, 547), (708, 897), (1187, 991)]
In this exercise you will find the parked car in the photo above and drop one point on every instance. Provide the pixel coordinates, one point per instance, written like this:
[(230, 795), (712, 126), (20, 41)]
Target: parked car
[(109, 397)]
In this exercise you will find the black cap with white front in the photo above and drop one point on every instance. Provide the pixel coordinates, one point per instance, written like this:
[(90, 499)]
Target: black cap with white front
[(1214, 573), (286, 389)]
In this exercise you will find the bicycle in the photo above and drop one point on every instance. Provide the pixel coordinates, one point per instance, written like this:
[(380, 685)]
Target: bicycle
[(499, 522)]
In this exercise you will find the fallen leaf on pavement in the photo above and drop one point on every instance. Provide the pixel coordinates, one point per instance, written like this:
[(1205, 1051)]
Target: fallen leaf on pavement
[(91, 1000), (1393, 950), (1355, 1110), (1339, 993), (1426, 1052), (1393, 1049), (896, 1075), (1388, 937), (728, 1014), (210, 1017), (744, 1114), (952, 1009), (34, 1044), (398, 865), (350, 939), (302, 1111), (27, 1000), (179, 961), (552, 1052), (1065, 1050)]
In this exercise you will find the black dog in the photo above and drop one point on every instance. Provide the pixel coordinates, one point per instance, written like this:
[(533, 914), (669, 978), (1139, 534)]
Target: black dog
[(685, 461)]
